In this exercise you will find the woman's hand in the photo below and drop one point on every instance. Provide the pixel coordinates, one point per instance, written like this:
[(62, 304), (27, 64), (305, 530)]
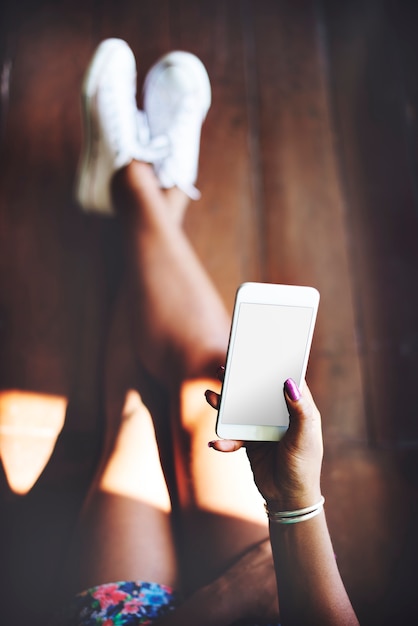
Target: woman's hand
[(287, 473)]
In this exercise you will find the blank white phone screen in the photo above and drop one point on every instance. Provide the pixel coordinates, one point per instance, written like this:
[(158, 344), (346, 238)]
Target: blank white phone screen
[(270, 346)]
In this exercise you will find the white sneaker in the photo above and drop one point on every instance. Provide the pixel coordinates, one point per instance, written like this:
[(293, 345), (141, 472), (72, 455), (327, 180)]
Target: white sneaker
[(114, 132), (177, 97)]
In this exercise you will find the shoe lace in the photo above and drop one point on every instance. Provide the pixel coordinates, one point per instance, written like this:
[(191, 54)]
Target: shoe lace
[(149, 149)]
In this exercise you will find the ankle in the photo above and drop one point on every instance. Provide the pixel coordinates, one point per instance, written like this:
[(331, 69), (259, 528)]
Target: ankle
[(136, 173), (129, 183), (177, 203)]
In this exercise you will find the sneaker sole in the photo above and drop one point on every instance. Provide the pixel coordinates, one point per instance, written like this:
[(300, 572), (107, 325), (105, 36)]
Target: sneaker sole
[(86, 172)]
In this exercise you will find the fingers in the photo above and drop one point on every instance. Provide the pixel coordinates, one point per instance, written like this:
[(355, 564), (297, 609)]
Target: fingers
[(226, 445), (305, 429), (222, 445), (292, 390), (221, 373), (212, 398), (302, 410), (301, 405)]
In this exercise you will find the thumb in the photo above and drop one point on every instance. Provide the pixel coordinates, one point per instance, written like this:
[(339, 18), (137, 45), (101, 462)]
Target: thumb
[(305, 419)]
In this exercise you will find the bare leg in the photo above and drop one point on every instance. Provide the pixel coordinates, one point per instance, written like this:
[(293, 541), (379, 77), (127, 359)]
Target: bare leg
[(181, 331), (181, 327), (125, 529)]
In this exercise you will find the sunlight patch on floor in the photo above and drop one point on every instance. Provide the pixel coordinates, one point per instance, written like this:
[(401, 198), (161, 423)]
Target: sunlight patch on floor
[(30, 424), (134, 468)]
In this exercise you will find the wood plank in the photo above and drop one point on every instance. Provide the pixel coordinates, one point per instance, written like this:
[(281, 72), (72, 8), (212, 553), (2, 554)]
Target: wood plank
[(369, 508), (306, 216), (275, 207), (143, 26), (304, 207), (402, 17), (223, 225), (371, 113), (53, 296), (225, 178)]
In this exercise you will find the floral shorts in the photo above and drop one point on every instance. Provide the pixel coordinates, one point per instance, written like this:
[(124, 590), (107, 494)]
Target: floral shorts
[(120, 604)]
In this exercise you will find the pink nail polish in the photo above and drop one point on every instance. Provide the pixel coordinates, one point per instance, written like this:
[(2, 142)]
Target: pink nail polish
[(292, 390)]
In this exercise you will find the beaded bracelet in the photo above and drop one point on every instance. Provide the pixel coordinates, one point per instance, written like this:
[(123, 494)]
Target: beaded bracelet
[(293, 517)]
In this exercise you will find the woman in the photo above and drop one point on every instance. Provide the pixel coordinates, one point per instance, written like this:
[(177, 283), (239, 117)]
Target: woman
[(206, 535)]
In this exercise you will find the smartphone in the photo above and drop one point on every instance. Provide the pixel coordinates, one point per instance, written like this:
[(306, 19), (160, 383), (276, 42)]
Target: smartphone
[(270, 340)]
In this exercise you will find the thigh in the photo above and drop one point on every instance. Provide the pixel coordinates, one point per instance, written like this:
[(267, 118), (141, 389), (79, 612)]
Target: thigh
[(125, 530), (222, 512)]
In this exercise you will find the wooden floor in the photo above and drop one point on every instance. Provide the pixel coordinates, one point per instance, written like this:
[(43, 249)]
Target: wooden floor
[(309, 172)]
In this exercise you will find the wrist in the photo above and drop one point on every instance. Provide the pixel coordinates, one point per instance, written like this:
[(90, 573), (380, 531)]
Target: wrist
[(294, 516), (294, 500)]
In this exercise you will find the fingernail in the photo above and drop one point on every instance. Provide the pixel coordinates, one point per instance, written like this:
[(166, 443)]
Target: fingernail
[(292, 390)]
